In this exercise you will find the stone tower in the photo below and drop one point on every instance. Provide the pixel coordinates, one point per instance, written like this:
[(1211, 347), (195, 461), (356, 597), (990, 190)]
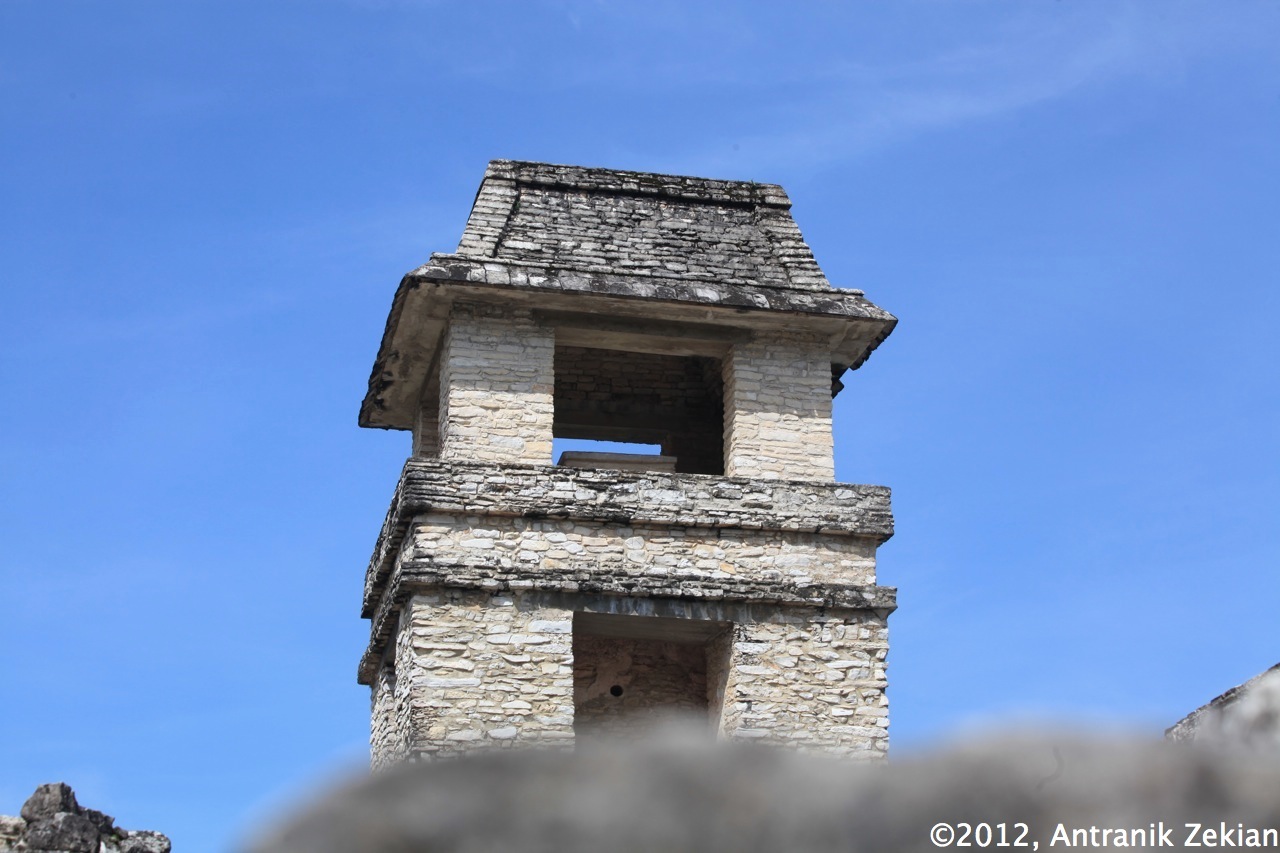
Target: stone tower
[(514, 600)]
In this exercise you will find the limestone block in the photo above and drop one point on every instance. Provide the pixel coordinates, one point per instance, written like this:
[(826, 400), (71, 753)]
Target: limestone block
[(778, 410), (496, 387), (515, 542), (457, 694)]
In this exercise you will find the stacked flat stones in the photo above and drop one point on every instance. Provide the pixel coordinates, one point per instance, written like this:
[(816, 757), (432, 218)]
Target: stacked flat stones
[(575, 296)]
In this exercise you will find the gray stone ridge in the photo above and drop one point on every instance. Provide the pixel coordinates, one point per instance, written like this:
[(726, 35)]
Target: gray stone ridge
[(51, 820), (1248, 714)]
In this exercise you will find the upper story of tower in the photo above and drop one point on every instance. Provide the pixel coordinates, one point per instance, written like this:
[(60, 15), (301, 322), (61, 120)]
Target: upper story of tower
[(602, 304)]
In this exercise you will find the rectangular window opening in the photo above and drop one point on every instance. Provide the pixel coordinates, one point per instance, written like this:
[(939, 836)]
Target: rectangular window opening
[(614, 409)]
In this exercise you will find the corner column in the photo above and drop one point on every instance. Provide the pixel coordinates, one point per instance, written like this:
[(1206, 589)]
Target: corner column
[(496, 387), (485, 670), (777, 410), (810, 679)]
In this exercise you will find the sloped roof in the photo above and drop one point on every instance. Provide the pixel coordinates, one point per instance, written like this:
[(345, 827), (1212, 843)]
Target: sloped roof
[(636, 223), (633, 246)]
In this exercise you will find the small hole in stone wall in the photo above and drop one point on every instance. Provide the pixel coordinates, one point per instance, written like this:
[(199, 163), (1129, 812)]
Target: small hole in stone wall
[(615, 690)]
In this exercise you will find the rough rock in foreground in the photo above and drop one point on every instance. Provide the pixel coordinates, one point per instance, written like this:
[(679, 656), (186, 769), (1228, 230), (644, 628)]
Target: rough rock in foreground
[(681, 795), (51, 820)]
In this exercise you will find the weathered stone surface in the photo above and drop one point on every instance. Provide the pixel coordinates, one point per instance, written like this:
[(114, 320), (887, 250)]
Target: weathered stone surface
[(496, 388), (474, 669), (105, 823), (661, 501), (687, 795), (665, 226), (143, 841), (12, 830), (48, 800), (778, 410), (64, 831), (53, 821)]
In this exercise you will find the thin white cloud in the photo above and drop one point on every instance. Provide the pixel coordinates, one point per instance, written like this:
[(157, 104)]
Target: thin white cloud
[(858, 108)]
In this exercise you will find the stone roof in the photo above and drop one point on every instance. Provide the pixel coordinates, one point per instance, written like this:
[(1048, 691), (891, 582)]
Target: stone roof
[(664, 226), (636, 247)]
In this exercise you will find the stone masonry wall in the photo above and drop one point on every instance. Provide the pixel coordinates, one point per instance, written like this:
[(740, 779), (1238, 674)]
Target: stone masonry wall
[(649, 497), (496, 387), (483, 670), (810, 679), (393, 718), (384, 737), (549, 545), (472, 589), (778, 410), (426, 430)]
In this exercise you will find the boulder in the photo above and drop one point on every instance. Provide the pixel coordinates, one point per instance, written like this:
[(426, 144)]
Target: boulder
[(48, 800), (65, 832), (53, 821)]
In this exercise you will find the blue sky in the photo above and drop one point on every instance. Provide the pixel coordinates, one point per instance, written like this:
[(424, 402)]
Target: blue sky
[(1073, 207)]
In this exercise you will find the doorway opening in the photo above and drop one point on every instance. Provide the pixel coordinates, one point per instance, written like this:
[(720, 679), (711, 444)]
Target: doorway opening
[(632, 673)]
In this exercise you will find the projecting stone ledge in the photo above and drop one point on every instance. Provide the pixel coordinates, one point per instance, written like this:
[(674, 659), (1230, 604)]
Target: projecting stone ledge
[(584, 588), (458, 269), (853, 324), (623, 498)]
